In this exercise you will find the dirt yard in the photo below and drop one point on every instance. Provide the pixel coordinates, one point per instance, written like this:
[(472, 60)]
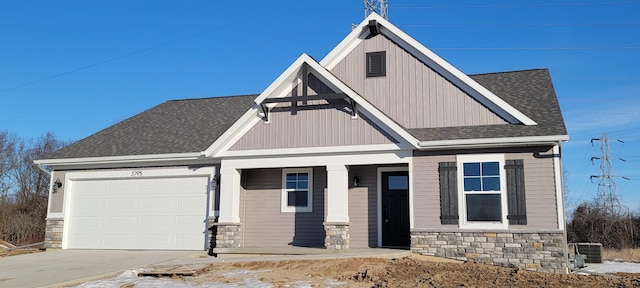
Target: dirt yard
[(404, 272), (4, 253)]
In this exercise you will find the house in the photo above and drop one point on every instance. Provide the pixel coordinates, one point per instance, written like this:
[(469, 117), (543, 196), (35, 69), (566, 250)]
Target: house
[(381, 144)]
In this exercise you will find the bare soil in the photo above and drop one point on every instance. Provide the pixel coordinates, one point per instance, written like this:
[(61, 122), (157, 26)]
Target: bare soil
[(403, 272)]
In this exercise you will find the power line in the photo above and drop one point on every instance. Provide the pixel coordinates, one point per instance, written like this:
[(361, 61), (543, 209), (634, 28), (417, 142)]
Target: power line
[(104, 61), (517, 5), (540, 48), (512, 25)]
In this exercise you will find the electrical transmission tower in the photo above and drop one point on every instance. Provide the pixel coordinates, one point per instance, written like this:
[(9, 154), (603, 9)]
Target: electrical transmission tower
[(376, 6), (608, 198)]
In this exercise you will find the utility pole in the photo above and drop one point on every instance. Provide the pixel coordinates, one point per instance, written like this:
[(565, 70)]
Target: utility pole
[(376, 6), (608, 198)]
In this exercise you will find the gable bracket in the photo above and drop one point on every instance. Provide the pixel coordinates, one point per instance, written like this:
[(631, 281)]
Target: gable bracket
[(265, 112), (353, 107)]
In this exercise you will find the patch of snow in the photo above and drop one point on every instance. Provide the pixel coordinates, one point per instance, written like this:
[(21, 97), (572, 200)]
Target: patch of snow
[(131, 277), (613, 267)]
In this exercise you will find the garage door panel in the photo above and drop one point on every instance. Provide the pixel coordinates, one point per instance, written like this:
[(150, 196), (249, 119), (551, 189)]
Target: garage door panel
[(160, 185), (122, 203), (121, 223), (152, 213), (153, 203), (195, 203), (120, 241), (124, 186)]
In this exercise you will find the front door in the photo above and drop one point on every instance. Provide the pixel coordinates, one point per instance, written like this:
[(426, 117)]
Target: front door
[(395, 209)]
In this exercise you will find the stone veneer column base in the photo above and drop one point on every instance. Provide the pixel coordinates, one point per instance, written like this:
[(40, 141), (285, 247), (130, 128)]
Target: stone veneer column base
[(337, 235), (53, 233), (227, 235), (531, 250)]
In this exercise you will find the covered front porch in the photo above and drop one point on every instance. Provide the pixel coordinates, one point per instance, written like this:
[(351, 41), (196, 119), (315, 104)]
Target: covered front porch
[(286, 203)]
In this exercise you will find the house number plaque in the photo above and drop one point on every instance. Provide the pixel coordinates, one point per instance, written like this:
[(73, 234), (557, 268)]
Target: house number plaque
[(136, 173)]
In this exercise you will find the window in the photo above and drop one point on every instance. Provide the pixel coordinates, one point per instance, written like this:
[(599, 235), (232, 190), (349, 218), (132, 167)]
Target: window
[(376, 64), (482, 191), (297, 191)]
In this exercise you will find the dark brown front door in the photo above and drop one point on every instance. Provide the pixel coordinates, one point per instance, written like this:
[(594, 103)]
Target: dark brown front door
[(395, 209)]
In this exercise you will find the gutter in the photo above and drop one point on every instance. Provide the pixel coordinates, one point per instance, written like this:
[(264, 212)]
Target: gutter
[(44, 168), (492, 142)]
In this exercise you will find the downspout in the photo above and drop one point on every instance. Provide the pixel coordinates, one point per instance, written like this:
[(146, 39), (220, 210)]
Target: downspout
[(564, 212), (44, 169)]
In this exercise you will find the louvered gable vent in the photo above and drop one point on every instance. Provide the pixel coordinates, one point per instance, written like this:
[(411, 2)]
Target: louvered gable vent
[(376, 64)]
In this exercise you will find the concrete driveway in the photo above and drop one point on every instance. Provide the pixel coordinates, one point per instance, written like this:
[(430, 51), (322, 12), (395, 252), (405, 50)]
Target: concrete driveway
[(52, 268)]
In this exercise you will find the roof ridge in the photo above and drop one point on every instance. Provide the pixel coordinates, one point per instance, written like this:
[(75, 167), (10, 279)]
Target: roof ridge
[(212, 97), (512, 71)]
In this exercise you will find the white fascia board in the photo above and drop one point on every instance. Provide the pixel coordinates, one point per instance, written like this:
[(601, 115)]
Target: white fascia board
[(329, 150), (453, 74), (233, 133), (493, 142), (121, 159), (285, 78)]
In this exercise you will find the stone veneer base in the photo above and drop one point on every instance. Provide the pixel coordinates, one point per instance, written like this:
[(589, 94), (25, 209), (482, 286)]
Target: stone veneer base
[(53, 233), (336, 235), (531, 250), (227, 235)]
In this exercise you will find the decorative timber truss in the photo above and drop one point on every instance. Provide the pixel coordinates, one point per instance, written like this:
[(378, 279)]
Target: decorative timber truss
[(305, 98)]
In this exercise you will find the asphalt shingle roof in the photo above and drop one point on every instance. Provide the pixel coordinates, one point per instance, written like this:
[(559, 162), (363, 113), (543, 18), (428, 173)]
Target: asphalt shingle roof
[(529, 91), (192, 125), (178, 126)]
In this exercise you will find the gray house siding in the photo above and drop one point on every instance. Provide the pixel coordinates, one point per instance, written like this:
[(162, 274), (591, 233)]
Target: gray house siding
[(320, 124), (412, 93), (56, 201), (263, 223), (539, 182), (363, 207)]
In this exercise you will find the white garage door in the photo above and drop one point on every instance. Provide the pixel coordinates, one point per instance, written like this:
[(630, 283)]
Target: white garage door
[(153, 213)]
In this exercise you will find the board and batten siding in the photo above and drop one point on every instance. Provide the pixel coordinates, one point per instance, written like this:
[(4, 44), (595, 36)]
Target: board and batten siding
[(263, 223), (539, 187), (56, 201), (411, 93), (321, 123), (363, 207)]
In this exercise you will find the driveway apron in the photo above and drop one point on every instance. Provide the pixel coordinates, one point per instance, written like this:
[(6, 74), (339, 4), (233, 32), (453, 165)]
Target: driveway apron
[(60, 266)]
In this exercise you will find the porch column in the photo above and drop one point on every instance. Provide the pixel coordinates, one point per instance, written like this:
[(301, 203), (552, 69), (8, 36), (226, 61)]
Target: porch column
[(229, 196), (337, 222), (227, 229)]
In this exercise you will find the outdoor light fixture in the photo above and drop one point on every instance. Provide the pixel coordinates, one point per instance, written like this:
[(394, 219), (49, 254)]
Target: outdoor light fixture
[(356, 181), (57, 185)]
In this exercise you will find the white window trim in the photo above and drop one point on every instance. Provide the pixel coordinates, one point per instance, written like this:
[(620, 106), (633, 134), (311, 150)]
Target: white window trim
[(283, 200), (462, 206)]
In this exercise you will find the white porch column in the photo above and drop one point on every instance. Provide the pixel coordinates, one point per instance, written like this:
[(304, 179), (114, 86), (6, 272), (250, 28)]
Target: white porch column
[(229, 196), (337, 194)]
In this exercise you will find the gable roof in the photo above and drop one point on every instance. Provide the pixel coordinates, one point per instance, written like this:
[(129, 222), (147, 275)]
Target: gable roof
[(280, 87), (530, 91), (178, 126), (435, 62)]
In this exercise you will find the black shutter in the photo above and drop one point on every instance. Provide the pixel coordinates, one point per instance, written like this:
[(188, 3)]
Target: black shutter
[(515, 192), (448, 193)]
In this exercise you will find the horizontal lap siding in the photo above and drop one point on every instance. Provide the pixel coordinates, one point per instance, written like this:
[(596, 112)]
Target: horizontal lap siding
[(540, 191), (412, 93), (266, 226), (363, 231), (426, 190), (539, 187)]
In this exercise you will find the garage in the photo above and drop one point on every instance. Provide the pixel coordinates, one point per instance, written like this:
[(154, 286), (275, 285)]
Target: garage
[(164, 213)]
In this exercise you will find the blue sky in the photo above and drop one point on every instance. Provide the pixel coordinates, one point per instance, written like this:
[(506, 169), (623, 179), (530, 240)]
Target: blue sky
[(75, 67)]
